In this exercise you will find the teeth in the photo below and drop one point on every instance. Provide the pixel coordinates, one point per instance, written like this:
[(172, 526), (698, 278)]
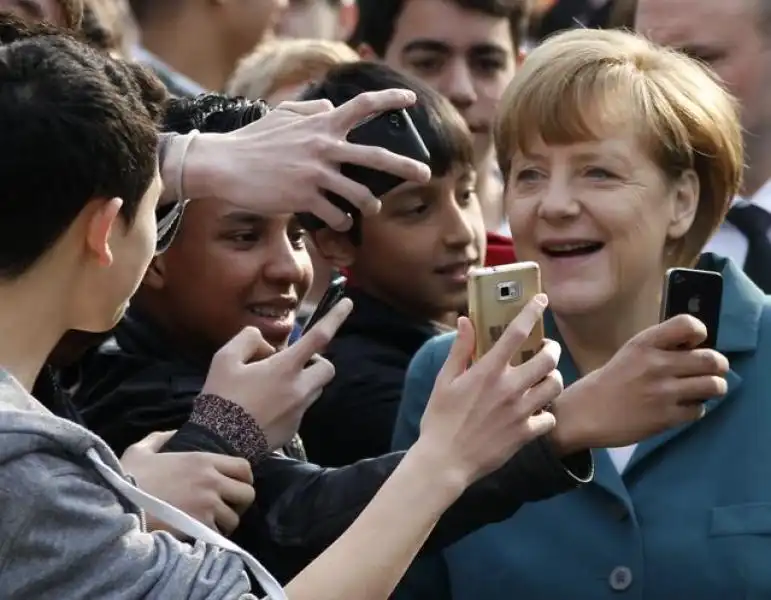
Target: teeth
[(270, 313), (570, 247)]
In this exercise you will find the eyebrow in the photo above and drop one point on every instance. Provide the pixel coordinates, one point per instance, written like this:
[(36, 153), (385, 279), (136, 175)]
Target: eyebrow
[(429, 45), (242, 217)]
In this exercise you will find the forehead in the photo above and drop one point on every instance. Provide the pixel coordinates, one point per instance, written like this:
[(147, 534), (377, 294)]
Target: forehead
[(687, 23), (446, 22)]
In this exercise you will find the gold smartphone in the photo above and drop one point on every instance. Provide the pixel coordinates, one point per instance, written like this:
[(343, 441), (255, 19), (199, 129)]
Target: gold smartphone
[(496, 297)]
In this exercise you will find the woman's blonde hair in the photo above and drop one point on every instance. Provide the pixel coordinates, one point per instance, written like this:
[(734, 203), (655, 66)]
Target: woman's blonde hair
[(581, 84), (286, 62)]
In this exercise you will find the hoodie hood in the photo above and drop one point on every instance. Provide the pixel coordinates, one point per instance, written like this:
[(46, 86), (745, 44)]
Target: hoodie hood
[(26, 427)]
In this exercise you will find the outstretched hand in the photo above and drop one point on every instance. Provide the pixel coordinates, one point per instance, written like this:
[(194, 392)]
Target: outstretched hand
[(481, 416)]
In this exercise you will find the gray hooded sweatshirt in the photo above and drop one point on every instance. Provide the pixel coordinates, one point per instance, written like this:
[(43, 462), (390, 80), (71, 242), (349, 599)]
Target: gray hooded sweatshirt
[(66, 535)]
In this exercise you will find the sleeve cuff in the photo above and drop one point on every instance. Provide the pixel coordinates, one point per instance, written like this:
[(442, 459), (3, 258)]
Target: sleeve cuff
[(233, 424)]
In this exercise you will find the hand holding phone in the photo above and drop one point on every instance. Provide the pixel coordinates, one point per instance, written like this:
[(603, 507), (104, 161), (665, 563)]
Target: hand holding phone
[(393, 130), (496, 296)]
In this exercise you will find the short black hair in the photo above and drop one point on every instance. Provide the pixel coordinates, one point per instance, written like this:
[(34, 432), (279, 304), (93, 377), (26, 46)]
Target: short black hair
[(443, 130), (212, 113), (73, 129), (377, 20)]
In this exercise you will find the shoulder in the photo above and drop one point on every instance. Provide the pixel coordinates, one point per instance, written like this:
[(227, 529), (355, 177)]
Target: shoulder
[(431, 356)]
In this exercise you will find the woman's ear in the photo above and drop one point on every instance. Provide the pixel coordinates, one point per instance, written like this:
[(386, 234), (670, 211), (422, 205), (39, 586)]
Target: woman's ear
[(101, 218), (685, 203), (335, 247)]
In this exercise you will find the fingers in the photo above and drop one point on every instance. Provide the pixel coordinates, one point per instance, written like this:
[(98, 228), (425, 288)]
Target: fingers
[(369, 104), (232, 467), (307, 107), (677, 332), (237, 495), (317, 375), (156, 440), (315, 340), (540, 424), (245, 345), (380, 159), (357, 194), (337, 219), (515, 334), (689, 390), (541, 395), (225, 518), (461, 353), (692, 363), (541, 366)]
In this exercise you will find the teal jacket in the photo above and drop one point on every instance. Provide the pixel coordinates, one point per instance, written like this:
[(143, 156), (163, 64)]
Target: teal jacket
[(690, 519)]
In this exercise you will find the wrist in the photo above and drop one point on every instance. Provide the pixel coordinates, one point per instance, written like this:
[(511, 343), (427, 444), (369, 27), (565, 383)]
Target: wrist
[(569, 435), (203, 166), (437, 469)]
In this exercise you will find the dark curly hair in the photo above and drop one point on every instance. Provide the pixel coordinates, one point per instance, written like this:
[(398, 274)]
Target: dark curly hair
[(211, 113)]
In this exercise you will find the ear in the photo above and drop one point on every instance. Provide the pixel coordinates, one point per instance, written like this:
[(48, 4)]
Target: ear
[(685, 203), (521, 56), (334, 247), (155, 276), (366, 53), (349, 17), (99, 227)]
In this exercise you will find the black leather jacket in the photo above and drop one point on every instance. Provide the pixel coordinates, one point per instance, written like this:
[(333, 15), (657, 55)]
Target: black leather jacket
[(136, 385)]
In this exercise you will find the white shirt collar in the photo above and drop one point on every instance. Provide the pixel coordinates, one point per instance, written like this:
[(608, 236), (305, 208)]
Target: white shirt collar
[(761, 198)]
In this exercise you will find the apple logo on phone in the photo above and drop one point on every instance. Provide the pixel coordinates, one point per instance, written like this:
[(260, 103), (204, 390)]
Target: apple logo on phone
[(694, 305)]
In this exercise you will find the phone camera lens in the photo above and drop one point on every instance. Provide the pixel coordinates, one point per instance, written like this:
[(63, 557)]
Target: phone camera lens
[(505, 291), (678, 279), (395, 120)]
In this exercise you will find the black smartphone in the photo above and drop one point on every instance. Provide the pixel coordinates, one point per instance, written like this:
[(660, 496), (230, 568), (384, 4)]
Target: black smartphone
[(697, 293), (393, 130), (335, 292)]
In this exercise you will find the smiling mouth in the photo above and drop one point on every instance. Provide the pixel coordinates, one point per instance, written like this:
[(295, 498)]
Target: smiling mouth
[(270, 312), (571, 249)]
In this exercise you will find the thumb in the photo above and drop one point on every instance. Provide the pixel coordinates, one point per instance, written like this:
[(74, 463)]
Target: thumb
[(681, 331), (156, 440), (461, 353), (247, 345)]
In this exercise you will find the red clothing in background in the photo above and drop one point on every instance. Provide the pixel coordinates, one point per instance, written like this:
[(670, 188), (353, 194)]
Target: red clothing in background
[(500, 250)]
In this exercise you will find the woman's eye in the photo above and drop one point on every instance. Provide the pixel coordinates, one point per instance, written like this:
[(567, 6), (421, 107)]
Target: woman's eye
[(528, 175), (598, 173)]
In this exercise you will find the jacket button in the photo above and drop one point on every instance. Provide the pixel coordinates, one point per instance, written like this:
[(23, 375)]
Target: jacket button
[(620, 578)]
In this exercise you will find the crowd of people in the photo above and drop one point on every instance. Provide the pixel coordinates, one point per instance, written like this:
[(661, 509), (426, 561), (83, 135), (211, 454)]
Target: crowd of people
[(169, 428)]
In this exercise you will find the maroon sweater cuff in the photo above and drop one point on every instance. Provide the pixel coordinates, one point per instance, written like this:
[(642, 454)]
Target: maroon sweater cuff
[(233, 424)]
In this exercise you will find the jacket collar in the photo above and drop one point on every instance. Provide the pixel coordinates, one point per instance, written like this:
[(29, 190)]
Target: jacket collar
[(379, 322)]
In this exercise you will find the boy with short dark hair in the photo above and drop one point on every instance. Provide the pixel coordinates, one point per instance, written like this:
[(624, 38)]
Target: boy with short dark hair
[(407, 267)]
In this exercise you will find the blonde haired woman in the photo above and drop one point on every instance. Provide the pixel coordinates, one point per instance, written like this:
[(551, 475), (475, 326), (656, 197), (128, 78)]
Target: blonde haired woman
[(621, 159)]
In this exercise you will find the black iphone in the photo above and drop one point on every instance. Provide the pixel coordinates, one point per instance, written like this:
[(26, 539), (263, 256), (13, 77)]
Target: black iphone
[(393, 130), (335, 292), (697, 293)]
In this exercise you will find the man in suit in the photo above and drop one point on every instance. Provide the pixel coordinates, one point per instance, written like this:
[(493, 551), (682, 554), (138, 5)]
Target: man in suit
[(734, 38)]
